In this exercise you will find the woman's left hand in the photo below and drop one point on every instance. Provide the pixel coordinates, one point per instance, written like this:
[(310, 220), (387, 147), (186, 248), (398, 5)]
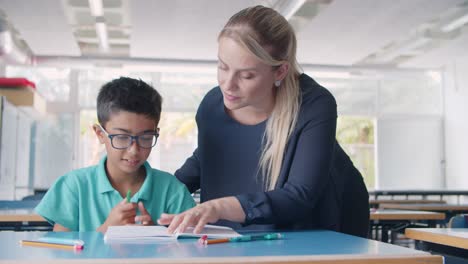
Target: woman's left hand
[(227, 208), (198, 217)]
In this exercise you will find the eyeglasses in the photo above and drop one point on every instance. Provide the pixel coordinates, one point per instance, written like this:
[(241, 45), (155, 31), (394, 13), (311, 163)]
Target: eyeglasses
[(123, 141)]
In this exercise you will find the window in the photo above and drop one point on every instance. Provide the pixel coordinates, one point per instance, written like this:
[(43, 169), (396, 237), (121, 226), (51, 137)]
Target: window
[(356, 136), (364, 99), (182, 93)]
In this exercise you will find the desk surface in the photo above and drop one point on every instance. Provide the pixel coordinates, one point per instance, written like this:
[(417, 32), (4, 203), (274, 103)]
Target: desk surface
[(455, 237), (418, 192), (20, 215), (405, 215), (395, 201), (19, 211), (296, 247), (427, 207)]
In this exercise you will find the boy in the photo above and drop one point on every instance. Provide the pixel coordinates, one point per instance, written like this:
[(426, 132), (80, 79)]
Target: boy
[(94, 198)]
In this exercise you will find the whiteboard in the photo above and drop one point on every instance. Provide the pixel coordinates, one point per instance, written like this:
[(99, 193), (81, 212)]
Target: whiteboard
[(410, 153)]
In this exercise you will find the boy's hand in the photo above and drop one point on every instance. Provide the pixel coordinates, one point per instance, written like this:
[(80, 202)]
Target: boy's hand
[(122, 214), (144, 218)]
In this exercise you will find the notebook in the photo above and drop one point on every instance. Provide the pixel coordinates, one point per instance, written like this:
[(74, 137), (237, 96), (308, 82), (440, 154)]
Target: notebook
[(135, 233)]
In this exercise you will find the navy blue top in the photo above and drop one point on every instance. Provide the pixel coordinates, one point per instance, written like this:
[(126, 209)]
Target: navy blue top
[(310, 189)]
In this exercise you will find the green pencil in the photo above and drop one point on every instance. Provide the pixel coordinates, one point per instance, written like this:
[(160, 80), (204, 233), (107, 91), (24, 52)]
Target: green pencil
[(129, 194)]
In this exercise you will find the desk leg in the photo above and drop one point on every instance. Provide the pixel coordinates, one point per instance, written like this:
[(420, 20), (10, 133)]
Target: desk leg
[(25, 226), (374, 229), (398, 228), (431, 223), (385, 230)]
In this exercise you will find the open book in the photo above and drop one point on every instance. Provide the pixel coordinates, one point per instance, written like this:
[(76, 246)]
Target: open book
[(135, 233)]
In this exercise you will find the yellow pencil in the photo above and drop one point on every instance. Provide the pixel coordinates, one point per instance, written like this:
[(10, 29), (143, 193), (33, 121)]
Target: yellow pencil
[(50, 245)]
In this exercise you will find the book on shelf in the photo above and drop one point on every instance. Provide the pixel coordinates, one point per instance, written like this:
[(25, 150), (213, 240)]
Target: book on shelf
[(137, 233)]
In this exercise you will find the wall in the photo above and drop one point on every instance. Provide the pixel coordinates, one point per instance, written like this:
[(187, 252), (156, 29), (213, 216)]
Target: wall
[(52, 150), (409, 131), (2, 69), (409, 153), (456, 123)]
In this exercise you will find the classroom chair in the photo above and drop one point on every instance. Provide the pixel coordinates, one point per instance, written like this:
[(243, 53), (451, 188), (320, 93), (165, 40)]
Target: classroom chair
[(33, 197), (458, 221)]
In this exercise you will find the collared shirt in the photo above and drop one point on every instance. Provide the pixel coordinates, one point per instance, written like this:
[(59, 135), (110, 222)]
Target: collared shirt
[(82, 199)]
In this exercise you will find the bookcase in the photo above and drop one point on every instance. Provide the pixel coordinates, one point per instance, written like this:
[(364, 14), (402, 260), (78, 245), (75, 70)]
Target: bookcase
[(19, 104), (9, 122), (16, 141)]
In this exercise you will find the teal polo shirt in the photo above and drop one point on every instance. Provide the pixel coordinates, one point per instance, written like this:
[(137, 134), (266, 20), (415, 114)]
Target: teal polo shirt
[(82, 199)]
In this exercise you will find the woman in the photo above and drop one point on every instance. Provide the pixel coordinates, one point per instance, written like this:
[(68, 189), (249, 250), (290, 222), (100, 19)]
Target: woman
[(267, 157)]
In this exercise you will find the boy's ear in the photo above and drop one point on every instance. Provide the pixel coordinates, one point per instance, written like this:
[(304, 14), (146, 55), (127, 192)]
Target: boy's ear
[(100, 135)]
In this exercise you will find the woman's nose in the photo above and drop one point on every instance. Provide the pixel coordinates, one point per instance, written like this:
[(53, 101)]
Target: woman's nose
[(230, 83)]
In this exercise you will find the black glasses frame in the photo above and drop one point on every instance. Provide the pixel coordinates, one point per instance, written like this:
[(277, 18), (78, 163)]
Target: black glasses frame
[(132, 138)]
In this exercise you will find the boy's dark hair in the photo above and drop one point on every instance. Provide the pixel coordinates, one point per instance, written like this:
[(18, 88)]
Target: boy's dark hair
[(127, 94)]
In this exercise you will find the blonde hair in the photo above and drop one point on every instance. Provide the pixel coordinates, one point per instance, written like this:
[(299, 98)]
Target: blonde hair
[(268, 36)]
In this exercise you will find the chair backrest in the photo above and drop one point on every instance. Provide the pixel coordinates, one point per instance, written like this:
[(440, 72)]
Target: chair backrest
[(33, 197), (458, 221)]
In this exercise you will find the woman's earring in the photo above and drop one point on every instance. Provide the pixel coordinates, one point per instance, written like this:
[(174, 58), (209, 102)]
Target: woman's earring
[(278, 83)]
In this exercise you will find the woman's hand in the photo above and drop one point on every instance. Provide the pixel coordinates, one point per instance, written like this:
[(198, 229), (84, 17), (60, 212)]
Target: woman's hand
[(122, 214), (198, 217), (227, 208)]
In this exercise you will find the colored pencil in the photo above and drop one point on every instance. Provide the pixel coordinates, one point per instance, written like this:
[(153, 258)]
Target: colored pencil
[(129, 194), (50, 245), (217, 241)]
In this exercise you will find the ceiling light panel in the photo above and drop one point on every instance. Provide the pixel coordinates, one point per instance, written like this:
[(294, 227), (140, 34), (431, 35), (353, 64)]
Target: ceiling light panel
[(180, 29), (356, 28), (96, 8), (42, 39)]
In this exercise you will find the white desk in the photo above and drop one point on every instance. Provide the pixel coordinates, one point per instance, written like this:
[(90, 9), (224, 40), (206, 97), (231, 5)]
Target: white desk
[(451, 242), (296, 247)]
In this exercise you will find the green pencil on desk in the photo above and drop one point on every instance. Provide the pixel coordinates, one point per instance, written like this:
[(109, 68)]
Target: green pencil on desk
[(271, 236)]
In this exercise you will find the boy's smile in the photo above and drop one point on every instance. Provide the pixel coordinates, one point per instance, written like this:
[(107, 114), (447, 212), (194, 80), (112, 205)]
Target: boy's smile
[(132, 163)]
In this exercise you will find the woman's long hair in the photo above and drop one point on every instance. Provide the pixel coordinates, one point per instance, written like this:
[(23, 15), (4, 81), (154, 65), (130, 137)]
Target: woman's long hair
[(268, 35)]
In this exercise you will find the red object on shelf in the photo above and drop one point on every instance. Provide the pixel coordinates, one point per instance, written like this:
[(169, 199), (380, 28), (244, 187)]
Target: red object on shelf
[(16, 83)]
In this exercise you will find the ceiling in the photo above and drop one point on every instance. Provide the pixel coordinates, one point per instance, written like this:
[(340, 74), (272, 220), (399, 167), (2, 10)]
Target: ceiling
[(405, 33)]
